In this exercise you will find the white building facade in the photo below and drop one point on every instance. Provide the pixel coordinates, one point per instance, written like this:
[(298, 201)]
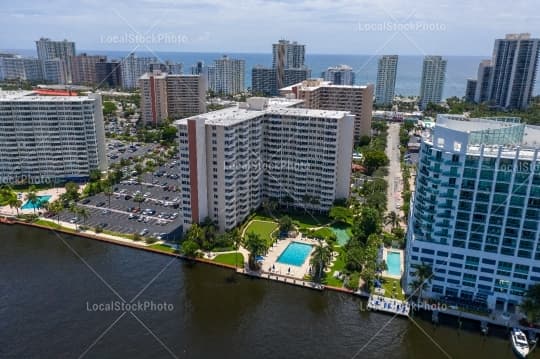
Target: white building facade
[(433, 77), (233, 159), (475, 212), (386, 79), (46, 139)]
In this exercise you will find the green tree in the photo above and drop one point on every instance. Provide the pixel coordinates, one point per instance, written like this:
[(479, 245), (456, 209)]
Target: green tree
[(190, 248), (32, 197), (14, 202), (320, 258), (422, 273), (138, 198), (195, 233), (56, 208), (369, 222), (72, 191), (108, 191), (95, 175), (374, 159), (109, 108), (256, 246), (530, 305), (285, 223), (392, 219), (236, 238)]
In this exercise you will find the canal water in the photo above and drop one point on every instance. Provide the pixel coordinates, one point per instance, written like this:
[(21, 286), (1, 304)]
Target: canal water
[(56, 292)]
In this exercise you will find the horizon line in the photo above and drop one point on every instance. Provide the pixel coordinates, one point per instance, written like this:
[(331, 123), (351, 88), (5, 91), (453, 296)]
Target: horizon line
[(80, 51)]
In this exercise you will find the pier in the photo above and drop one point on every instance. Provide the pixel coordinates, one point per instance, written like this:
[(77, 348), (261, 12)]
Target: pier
[(393, 306)]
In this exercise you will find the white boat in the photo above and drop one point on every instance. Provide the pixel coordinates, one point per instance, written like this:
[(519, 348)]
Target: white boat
[(519, 343)]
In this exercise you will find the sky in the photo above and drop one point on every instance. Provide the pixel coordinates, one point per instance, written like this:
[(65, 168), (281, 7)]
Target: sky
[(404, 27)]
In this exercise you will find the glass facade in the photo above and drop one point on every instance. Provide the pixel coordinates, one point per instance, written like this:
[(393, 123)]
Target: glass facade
[(474, 218)]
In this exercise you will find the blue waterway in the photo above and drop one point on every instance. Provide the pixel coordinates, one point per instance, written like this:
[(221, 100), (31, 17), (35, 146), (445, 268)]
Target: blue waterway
[(459, 68)]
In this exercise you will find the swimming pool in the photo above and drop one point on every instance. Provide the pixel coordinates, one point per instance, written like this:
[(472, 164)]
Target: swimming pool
[(341, 234), (40, 199), (295, 254), (393, 261)]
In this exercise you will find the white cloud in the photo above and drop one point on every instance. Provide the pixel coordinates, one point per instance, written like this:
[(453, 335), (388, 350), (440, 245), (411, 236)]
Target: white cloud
[(252, 25)]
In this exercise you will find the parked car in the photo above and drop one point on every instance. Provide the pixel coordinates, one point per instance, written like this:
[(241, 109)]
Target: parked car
[(100, 204), (85, 201), (143, 232)]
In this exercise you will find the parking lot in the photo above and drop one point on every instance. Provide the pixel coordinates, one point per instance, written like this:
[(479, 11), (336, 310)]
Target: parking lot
[(156, 216), (118, 150)]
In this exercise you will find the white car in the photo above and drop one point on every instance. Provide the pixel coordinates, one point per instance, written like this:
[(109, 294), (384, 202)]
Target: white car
[(144, 232)]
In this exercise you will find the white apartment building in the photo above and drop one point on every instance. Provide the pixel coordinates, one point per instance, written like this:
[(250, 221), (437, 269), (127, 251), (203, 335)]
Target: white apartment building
[(433, 77), (475, 212), (234, 158), (133, 67), (228, 76), (339, 75), (386, 79), (14, 67), (46, 139), (48, 50)]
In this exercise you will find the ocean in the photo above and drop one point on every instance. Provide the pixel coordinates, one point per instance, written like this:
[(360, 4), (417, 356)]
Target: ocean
[(459, 68)]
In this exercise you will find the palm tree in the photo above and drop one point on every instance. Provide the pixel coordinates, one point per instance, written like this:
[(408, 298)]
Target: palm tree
[(56, 207), (14, 202), (108, 191), (195, 233), (76, 211), (84, 213), (139, 198), (392, 219), (423, 273), (32, 197), (319, 260), (236, 238), (256, 246)]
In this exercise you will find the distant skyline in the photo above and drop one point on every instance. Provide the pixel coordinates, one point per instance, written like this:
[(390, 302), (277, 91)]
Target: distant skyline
[(445, 27)]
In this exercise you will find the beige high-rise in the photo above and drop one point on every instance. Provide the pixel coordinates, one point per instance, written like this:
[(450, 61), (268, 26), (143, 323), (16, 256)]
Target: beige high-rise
[(319, 94)]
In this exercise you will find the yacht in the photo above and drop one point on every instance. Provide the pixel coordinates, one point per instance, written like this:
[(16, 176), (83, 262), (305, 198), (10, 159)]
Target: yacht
[(519, 343)]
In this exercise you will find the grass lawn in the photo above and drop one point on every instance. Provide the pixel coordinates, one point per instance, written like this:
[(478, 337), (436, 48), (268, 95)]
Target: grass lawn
[(229, 258), (388, 285), (339, 264), (301, 219), (263, 229), (163, 247), (117, 234), (53, 225)]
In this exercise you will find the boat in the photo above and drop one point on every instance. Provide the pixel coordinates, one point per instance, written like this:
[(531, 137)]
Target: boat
[(519, 343), (484, 327)]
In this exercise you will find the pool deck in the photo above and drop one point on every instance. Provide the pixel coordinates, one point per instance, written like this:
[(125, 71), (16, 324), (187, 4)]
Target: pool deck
[(53, 192), (270, 264), (401, 262)]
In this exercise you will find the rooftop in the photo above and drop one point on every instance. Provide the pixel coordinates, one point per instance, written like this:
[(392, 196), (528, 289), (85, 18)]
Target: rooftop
[(256, 107), (313, 84), (34, 97), (494, 132)]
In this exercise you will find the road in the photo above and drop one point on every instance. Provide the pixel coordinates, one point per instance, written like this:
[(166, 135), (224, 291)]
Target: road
[(394, 179)]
